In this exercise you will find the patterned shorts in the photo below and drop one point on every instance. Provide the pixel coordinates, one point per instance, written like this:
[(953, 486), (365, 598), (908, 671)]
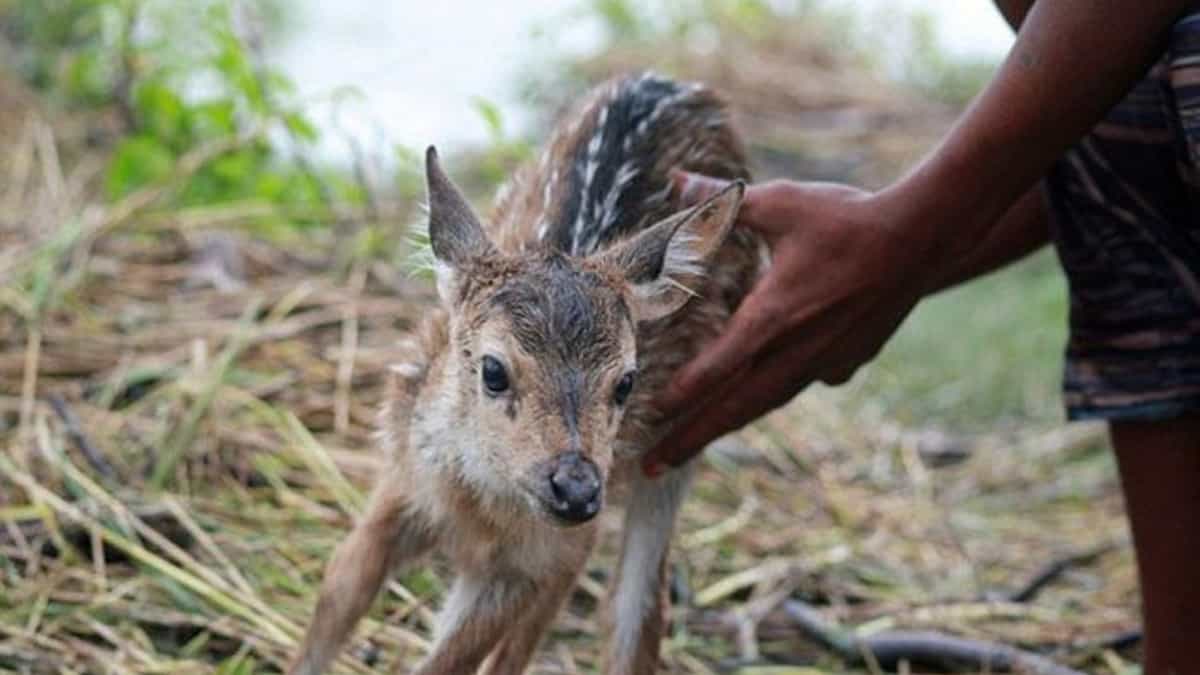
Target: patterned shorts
[(1126, 204)]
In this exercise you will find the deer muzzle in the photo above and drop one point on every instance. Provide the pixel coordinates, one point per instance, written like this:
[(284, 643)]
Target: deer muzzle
[(576, 488)]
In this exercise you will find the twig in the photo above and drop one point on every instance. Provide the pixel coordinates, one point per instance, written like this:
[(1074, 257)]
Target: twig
[(1117, 642), (93, 455), (1055, 569), (52, 171), (127, 59), (20, 156), (359, 167), (179, 441), (923, 648), (98, 223), (33, 351), (345, 366), (219, 599), (344, 229)]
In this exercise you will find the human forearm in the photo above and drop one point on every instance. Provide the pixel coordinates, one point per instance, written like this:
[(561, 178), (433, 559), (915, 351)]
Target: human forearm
[(1023, 229), (1072, 62)]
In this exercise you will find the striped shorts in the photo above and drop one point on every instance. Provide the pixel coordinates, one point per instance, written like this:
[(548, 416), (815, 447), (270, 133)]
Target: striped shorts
[(1126, 205)]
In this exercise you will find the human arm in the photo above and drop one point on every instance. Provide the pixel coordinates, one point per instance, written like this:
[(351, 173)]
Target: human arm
[(1023, 229), (849, 265)]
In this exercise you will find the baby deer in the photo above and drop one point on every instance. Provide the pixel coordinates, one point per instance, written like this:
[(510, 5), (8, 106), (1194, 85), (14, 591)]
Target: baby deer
[(532, 396)]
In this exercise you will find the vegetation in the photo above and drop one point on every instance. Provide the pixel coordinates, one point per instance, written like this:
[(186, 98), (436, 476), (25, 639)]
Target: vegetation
[(195, 315)]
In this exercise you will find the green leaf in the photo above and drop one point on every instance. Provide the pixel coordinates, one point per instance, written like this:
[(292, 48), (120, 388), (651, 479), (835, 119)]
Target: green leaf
[(236, 167), (300, 127), (138, 161), (194, 646), (490, 113), (271, 186), (162, 114), (213, 119), (88, 77), (621, 19), (240, 663)]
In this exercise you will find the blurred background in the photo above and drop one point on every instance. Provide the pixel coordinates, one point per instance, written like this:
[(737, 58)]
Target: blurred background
[(205, 226)]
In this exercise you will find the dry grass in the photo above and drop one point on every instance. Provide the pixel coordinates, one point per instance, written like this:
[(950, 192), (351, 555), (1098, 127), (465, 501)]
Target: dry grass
[(185, 414)]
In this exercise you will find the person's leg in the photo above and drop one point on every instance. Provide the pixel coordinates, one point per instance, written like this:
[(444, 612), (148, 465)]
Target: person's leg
[(1160, 475)]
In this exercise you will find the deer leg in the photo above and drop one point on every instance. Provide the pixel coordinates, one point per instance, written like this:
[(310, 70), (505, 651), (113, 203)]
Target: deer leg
[(638, 600), (519, 643), (387, 535), (479, 611)]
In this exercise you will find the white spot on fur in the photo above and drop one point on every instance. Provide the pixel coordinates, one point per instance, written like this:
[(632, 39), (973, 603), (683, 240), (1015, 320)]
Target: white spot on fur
[(589, 173), (659, 197), (608, 209)]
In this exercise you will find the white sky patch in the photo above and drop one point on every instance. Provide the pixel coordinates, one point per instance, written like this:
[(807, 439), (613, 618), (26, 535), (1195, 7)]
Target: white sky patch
[(420, 65)]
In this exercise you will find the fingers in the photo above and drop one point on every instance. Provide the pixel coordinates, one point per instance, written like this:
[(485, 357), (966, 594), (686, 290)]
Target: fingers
[(765, 207), (747, 333), (670, 452), (772, 381), (741, 401)]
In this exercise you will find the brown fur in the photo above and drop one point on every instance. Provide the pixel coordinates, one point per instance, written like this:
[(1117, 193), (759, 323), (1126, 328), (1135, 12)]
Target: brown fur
[(571, 286)]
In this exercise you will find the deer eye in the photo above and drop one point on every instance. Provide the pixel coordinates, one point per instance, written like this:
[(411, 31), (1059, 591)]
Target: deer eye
[(495, 378), (624, 387)]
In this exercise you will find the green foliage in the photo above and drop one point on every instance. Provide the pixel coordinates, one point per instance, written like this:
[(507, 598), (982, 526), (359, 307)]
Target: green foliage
[(502, 152), (180, 76), (64, 42), (138, 160), (978, 354)]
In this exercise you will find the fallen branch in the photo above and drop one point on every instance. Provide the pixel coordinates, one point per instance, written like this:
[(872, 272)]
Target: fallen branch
[(1120, 641), (1055, 569), (919, 648), (94, 456)]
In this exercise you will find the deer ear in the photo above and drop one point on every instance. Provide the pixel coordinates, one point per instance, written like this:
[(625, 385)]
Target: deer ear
[(455, 233), (666, 263)]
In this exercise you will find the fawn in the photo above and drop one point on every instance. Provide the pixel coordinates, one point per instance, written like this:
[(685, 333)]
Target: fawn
[(532, 393)]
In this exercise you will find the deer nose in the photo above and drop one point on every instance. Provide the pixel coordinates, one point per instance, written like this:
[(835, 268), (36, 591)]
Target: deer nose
[(576, 487)]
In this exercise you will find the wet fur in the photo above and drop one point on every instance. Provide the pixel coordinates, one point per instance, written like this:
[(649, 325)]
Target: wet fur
[(602, 179)]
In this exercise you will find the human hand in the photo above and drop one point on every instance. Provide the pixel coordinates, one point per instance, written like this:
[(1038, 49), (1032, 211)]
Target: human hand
[(845, 272)]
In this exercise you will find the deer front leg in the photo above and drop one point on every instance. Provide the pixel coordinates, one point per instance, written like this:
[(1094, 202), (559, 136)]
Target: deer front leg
[(480, 609), (638, 601), (387, 535), (512, 655)]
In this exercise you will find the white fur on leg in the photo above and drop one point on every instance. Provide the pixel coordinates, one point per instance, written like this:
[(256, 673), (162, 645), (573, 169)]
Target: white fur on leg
[(649, 523), (474, 619)]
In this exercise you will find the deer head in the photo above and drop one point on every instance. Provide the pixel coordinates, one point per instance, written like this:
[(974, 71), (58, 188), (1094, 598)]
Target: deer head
[(542, 354)]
